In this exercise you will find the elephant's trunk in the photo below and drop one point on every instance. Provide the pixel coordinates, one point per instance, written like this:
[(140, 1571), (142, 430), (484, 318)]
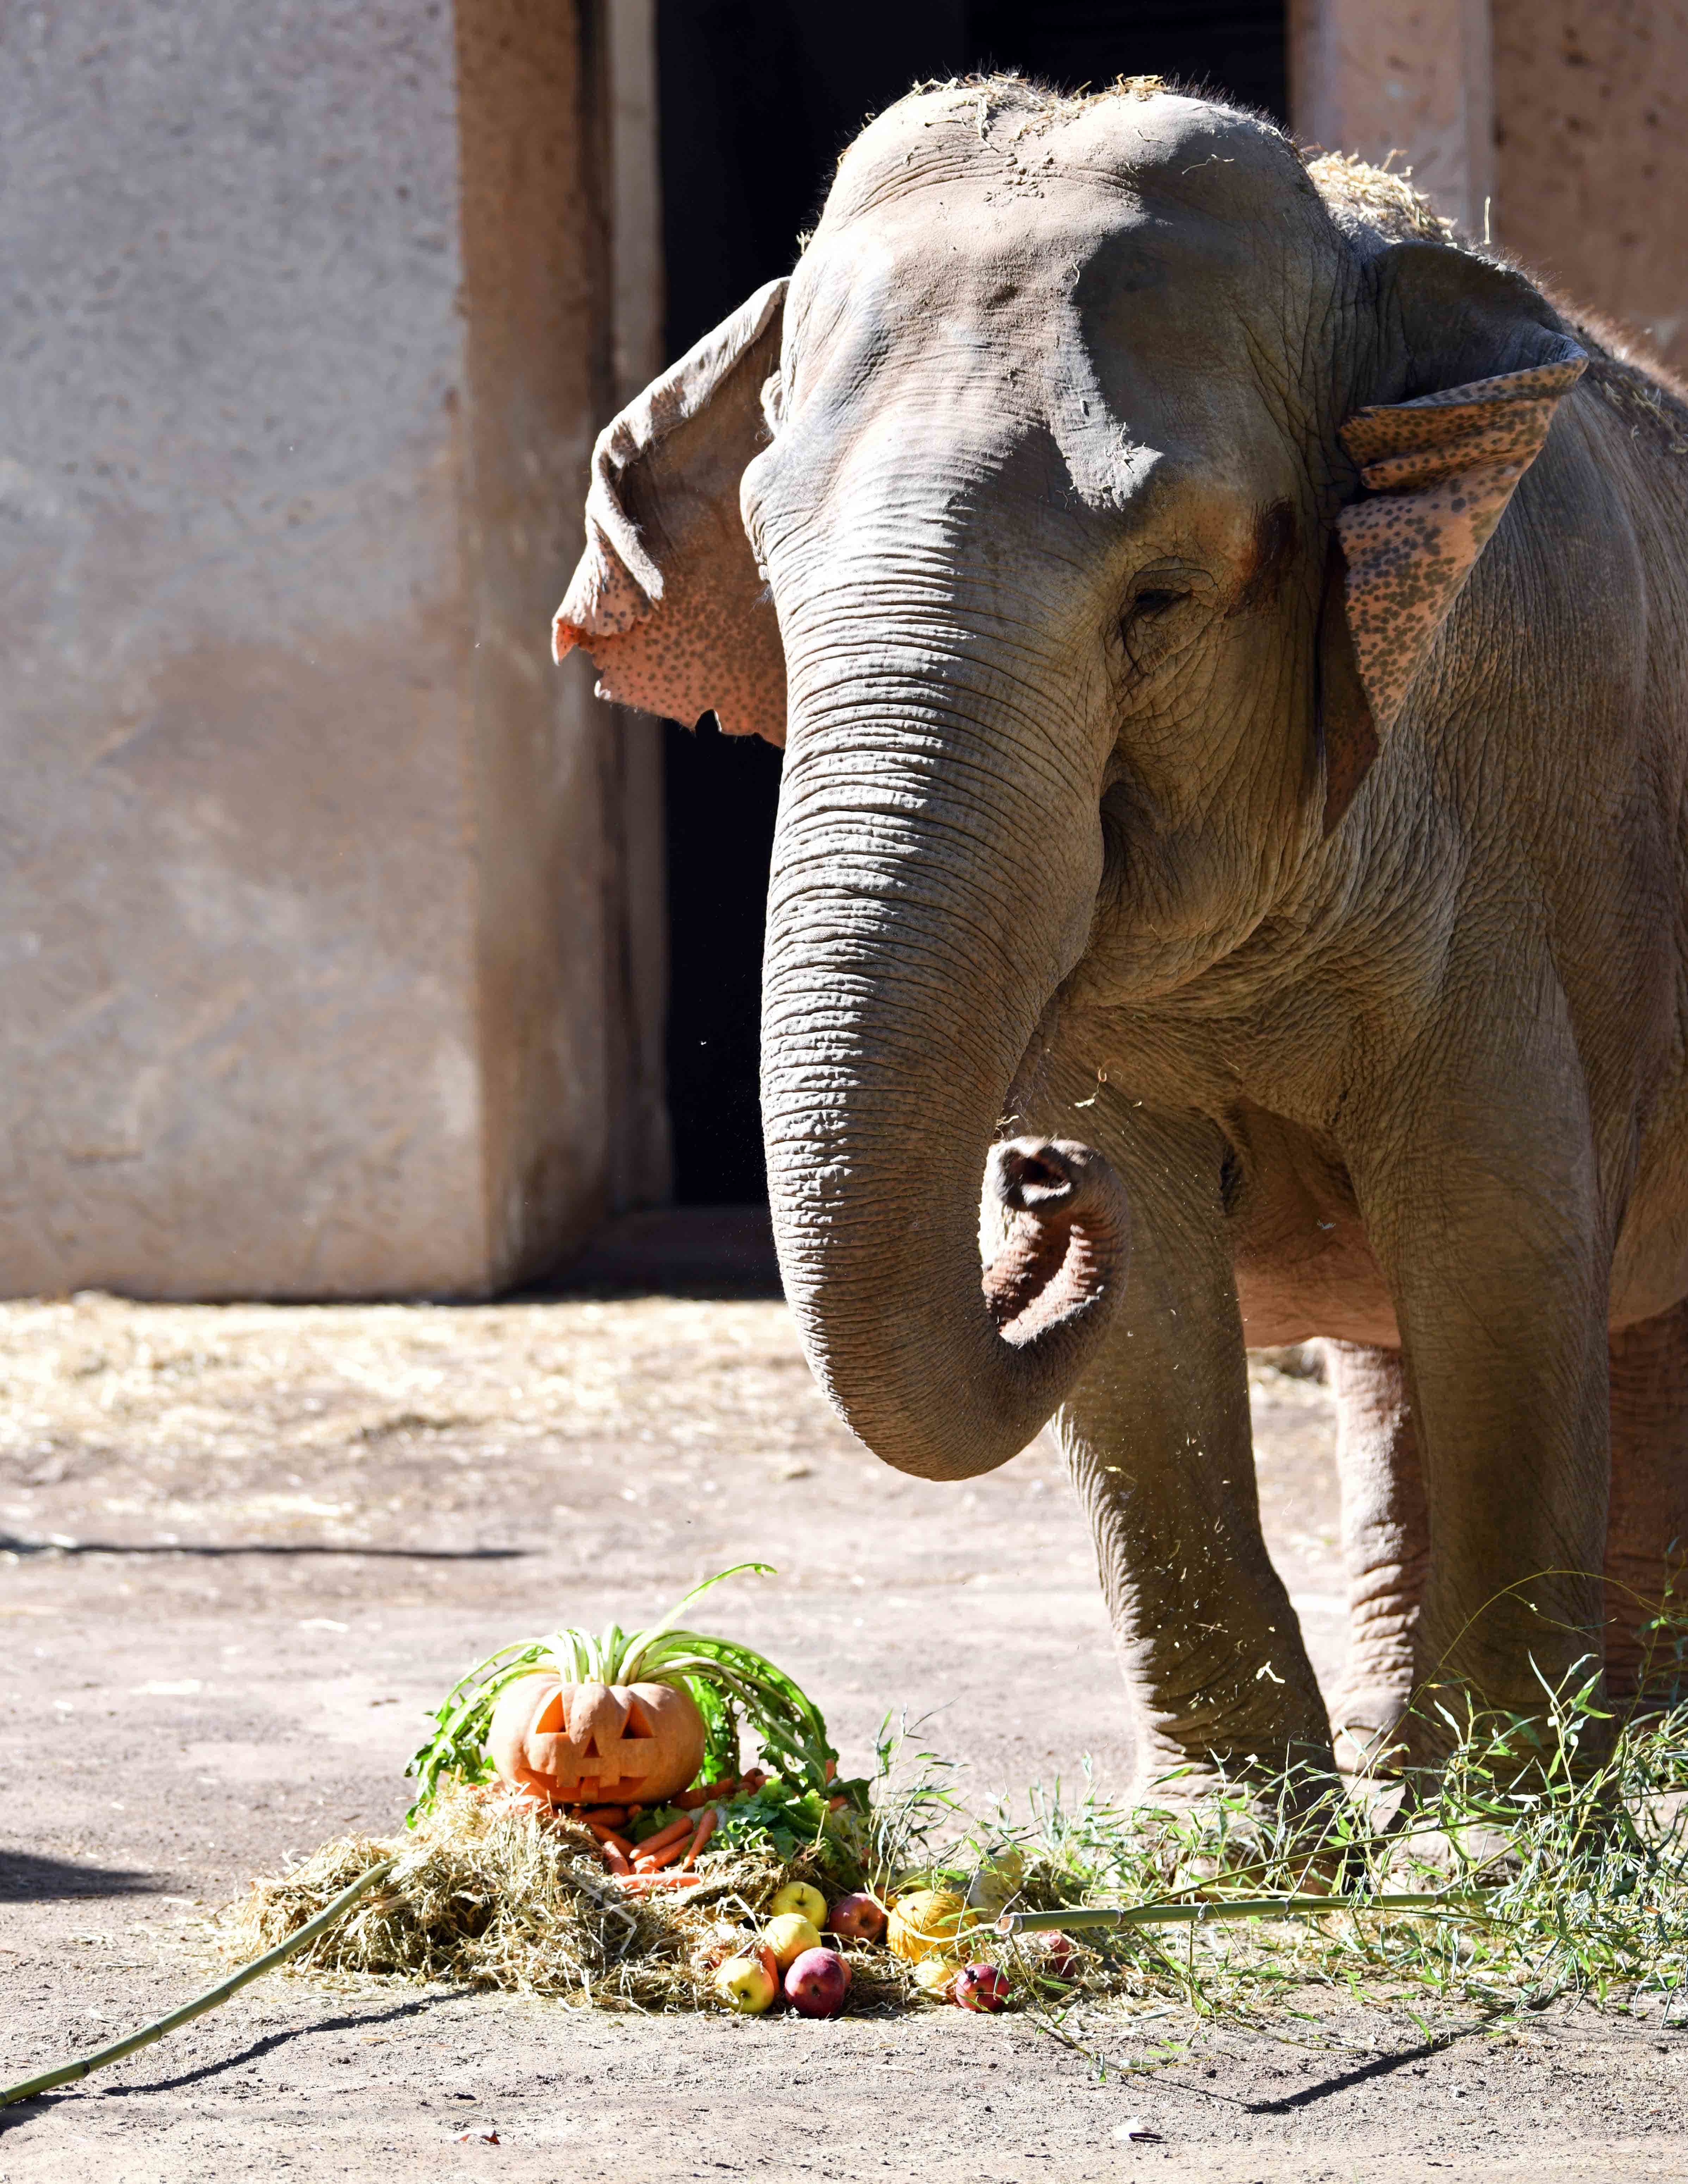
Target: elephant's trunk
[(924, 903)]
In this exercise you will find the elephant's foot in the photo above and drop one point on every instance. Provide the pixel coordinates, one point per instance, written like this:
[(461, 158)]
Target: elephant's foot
[(1454, 1858), (1367, 1723), (1282, 1825), (1646, 1537), (1647, 1631)]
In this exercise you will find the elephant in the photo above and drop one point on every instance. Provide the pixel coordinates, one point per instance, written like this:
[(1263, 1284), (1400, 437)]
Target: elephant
[(1228, 636)]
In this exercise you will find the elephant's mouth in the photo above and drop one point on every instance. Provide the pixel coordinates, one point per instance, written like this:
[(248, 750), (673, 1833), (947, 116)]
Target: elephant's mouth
[(1068, 1236)]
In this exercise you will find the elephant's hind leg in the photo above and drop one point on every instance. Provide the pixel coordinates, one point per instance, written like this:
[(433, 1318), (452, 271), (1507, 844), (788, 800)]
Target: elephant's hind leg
[(1646, 1537), (1385, 1529), (1386, 1543)]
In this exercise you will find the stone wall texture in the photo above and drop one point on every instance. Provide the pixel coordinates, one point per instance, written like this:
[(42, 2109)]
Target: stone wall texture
[(1558, 127), (1591, 155), (311, 901), (1401, 80)]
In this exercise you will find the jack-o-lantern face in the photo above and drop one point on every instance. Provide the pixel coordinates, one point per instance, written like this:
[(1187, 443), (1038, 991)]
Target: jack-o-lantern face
[(587, 1744)]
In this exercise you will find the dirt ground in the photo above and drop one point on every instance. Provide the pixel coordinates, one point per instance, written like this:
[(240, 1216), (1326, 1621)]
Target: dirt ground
[(242, 1547)]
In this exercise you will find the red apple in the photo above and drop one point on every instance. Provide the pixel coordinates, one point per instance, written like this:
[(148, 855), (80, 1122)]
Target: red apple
[(1060, 1960), (860, 1918), (817, 1983), (981, 1986)]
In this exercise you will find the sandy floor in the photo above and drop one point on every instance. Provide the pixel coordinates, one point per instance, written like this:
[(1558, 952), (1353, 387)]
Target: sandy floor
[(241, 1548)]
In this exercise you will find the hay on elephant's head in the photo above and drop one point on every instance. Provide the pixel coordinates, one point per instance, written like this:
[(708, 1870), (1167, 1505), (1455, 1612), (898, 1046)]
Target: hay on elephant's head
[(1360, 195), (490, 1892)]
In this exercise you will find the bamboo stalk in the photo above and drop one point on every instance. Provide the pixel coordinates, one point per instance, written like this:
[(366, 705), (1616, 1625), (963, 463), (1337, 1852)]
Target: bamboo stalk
[(1227, 1908), (66, 2073)]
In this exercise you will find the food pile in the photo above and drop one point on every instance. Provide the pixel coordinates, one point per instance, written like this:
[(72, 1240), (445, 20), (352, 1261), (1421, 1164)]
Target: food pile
[(584, 1825), (799, 1958)]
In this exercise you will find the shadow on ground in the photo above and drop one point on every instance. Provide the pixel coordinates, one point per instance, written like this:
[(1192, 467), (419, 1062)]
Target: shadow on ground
[(26, 1878)]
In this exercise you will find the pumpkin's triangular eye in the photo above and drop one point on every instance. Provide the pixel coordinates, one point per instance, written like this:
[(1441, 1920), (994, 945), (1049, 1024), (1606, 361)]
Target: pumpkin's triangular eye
[(550, 1721), (638, 1722)]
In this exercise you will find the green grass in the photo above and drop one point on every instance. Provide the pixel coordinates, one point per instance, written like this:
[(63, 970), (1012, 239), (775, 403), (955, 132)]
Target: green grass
[(1574, 1841)]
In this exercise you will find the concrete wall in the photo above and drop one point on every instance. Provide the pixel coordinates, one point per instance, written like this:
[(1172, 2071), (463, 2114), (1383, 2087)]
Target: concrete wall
[(1591, 155), (314, 953), (1406, 78), (1562, 124)]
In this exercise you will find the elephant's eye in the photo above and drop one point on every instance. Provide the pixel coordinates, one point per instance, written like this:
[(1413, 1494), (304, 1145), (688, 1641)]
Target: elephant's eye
[(1151, 628)]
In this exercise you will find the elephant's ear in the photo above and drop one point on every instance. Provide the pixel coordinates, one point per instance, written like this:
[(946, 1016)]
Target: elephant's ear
[(666, 597), (1491, 362)]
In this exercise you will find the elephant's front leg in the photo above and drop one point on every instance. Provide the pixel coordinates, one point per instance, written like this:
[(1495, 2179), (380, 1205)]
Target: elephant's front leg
[(1385, 1544), (1484, 1208), (1158, 1441)]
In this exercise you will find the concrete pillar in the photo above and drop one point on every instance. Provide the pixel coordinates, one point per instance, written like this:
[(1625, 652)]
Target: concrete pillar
[(641, 1153), (1591, 155), (1406, 77), (317, 976)]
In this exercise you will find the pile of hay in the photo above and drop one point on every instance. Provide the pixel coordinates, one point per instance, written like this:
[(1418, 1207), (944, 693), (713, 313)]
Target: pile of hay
[(1361, 195), (490, 1892)]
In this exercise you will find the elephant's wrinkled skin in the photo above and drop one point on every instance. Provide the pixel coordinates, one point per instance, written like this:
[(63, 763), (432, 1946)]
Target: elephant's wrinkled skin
[(1178, 767)]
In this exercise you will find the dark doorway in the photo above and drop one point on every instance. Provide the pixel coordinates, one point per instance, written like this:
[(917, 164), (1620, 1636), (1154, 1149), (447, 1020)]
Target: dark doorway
[(758, 99)]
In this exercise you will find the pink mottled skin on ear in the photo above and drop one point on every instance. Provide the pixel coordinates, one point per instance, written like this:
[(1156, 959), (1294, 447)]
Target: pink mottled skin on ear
[(603, 601), (667, 598), (713, 646), (1439, 473)]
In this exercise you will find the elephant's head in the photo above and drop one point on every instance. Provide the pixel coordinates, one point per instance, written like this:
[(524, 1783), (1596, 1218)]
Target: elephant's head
[(1078, 516)]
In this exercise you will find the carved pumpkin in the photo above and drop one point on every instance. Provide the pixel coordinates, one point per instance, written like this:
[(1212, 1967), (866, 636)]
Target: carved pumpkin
[(588, 1744)]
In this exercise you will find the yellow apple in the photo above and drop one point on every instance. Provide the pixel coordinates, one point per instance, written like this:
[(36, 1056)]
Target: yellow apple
[(806, 1902), (789, 1936), (745, 1984)]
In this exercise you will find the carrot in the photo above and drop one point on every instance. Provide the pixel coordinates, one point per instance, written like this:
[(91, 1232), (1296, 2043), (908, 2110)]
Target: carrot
[(708, 1820), (832, 1769), (706, 1793), (672, 1833), (837, 1804), (614, 1857), (612, 1836), (642, 1884), (607, 1816), (647, 1861), (650, 1862)]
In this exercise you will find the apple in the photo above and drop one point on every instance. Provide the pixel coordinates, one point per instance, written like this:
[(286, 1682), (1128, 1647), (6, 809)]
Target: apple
[(747, 1984), (806, 1902), (817, 1983), (982, 1987), (789, 1936), (1059, 1960), (858, 1918)]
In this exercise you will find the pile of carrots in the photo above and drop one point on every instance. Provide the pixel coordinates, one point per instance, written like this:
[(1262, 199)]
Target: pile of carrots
[(667, 1858)]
